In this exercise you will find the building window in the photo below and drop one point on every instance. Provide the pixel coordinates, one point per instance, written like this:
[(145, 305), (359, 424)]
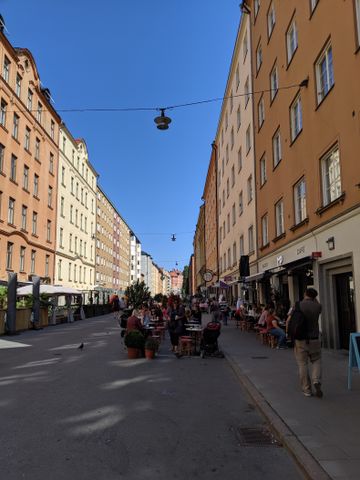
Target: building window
[(357, 7), (233, 211), (331, 178), (245, 45), (36, 185), (50, 196), (240, 161), (241, 245), (15, 132), (34, 223), (61, 237), (63, 176), (227, 188), (291, 41), (2, 152), (226, 121), (11, 211), (324, 73), (248, 139), (18, 85), (64, 144), (24, 217), (247, 92), (52, 129), (47, 263), (59, 269), (234, 253), (29, 99), (39, 112), (232, 176), (237, 77), (62, 200), (13, 163), (27, 139), (48, 230), (3, 107), (251, 239), (6, 69), (22, 259), (313, 4), (241, 203), (259, 57), (279, 217), (264, 230), (72, 186), (250, 189), (51, 163), (263, 177), (300, 201), (274, 83), (238, 117), (9, 254), (271, 19), (276, 144), (227, 154), (32, 261), (296, 117), (37, 149), (229, 257), (256, 7), (261, 112), (232, 138)]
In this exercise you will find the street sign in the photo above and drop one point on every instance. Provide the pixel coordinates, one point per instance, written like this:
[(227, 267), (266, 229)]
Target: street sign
[(354, 355)]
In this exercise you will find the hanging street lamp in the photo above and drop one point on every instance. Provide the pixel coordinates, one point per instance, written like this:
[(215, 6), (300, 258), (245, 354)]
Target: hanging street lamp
[(162, 122)]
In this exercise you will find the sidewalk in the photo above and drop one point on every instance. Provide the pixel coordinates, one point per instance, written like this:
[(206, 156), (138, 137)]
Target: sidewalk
[(323, 434)]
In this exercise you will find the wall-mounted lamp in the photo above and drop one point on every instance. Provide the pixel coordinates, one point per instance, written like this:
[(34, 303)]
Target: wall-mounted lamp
[(162, 122), (304, 83), (331, 243)]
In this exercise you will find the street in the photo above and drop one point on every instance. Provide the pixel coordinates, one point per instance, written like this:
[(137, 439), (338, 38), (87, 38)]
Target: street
[(93, 414)]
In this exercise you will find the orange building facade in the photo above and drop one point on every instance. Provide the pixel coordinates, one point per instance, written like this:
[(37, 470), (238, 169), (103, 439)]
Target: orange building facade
[(29, 132)]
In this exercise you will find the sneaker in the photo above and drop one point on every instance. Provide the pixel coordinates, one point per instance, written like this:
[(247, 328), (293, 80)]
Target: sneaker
[(307, 394), (318, 391), (283, 347)]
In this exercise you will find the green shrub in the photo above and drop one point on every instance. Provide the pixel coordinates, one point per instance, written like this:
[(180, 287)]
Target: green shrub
[(151, 344), (134, 339)]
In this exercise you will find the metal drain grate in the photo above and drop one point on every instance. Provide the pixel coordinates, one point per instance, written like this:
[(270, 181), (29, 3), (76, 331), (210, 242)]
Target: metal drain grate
[(256, 436)]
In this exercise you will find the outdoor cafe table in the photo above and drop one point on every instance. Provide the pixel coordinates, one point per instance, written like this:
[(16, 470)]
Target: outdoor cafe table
[(195, 330)]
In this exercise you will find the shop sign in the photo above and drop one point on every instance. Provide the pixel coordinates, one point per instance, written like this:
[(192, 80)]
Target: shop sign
[(279, 260), (228, 278), (300, 250)]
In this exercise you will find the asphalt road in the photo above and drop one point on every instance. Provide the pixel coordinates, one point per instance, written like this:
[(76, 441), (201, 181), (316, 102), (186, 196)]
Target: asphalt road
[(93, 414)]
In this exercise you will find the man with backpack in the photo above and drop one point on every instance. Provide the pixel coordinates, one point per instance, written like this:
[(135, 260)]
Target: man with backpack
[(302, 327)]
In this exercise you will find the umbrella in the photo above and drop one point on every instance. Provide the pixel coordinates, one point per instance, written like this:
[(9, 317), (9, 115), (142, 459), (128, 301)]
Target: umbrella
[(48, 289)]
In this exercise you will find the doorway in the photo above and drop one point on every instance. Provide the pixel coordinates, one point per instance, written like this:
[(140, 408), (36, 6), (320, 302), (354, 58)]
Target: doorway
[(344, 285)]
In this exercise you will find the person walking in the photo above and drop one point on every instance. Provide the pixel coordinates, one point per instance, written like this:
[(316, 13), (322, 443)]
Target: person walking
[(308, 349)]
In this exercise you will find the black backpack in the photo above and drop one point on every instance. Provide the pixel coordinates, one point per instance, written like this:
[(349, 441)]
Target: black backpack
[(297, 327)]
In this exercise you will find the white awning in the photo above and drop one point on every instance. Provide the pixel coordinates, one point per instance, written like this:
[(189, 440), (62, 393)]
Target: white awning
[(49, 290), (254, 277)]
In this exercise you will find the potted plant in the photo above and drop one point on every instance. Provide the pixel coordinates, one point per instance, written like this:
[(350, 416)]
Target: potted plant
[(134, 341), (151, 346)]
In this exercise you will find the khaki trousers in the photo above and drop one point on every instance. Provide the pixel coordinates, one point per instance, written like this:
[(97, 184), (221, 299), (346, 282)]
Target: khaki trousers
[(305, 351)]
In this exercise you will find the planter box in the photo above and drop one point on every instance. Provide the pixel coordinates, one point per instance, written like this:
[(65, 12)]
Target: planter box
[(2, 321), (44, 317), (23, 316)]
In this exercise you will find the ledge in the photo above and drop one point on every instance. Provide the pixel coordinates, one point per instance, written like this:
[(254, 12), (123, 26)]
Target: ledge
[(36, 197), (15, 139), (25, 190), (323, 209), (264, 247), (300, 224), (279, 237)]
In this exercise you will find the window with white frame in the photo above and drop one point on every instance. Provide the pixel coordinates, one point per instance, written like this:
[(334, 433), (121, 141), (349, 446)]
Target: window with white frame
[(263, 177), (22, 258), (259, 57), (274, 83), (276, 144), (18, 85), (300, 201), (248, 139), (240, 161), (313, 4), (27, 139), (32, 261), (357, 8), (331, 177), (241, 203), (247, 91), (29, 100), (296, 117), (256, 7), (15, 132), (291, 41), (6, 69), (24, 217), (249, 189), (261, 112), (238, 117), (264, 230), (3, 108), (279, 218), (251, 239), (241, 245), (271, 19), (11, 211), (9, 255), (324, 73)]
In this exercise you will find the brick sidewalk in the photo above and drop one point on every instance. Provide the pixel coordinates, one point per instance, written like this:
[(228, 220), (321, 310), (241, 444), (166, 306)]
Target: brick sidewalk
[(327, 428)]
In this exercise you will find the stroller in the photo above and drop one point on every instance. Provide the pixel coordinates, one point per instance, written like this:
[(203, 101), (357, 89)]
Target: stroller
[(209, 342)]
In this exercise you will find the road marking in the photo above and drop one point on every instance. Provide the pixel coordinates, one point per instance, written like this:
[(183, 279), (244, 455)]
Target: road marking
[(8, 344)]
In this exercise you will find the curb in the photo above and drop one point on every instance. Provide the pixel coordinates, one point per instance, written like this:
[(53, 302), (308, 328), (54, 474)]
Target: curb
[(307, 463)]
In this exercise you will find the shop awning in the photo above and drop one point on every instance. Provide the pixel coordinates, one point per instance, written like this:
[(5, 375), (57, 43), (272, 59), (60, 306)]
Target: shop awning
[(255, 277)]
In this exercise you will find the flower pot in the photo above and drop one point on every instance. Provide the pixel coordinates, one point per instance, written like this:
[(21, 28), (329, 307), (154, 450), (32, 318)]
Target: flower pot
[(133, 352), (149, 354)]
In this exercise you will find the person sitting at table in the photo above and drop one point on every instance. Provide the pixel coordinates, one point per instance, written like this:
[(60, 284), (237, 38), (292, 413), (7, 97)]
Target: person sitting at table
[(146, 316), (196, 313), (134, 322), (176, 329), (261, 323), (274, 329)]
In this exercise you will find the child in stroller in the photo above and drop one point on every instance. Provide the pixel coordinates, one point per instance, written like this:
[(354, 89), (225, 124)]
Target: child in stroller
[(209, 342)]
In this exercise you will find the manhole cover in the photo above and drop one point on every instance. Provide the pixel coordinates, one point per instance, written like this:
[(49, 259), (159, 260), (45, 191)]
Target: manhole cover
[(259, 358), (256, 436)]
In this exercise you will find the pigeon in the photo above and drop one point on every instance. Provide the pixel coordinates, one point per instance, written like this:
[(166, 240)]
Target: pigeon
[(81, 346)]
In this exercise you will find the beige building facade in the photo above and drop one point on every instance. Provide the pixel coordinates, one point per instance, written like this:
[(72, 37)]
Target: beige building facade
[(104, 242), (76, 215), (29, 136)]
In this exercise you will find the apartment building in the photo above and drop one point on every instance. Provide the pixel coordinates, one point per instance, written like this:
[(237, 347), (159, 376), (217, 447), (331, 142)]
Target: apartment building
[(235, 167), (76, 215), (199, 253), (124, 252), (104, 241), (176, 281), (147, 270), (307, 110), (135, 258), (29, 136)]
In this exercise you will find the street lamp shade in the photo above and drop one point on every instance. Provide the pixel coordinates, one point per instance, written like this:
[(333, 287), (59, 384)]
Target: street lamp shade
[(162, 122)]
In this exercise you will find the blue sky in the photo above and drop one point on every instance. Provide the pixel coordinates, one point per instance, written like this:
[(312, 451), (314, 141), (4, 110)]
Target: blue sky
[(137, 53)]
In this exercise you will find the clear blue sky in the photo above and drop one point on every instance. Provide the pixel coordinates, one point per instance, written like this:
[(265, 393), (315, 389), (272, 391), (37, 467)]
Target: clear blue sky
[(137, 53)]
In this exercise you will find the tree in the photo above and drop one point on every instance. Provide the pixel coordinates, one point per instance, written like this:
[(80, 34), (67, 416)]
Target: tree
[(185, 286), (137, 294)]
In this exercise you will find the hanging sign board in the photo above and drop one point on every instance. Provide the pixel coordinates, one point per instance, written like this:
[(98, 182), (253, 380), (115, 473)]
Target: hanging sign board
[(354, 355)]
